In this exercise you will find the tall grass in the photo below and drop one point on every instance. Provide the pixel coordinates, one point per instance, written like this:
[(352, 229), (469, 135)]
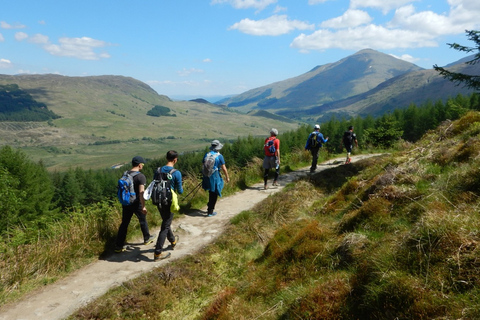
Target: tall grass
[(389, 238)]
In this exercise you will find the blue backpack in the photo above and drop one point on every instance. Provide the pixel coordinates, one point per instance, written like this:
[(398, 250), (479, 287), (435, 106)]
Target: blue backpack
[(271, 146), (125, 189)]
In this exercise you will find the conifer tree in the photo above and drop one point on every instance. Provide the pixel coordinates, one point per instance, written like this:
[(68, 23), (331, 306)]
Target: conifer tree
[(469, 81)]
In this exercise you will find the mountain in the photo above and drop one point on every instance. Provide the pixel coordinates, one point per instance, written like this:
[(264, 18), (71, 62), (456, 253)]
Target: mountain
[(350, 76), (367, 82), (103, 120), (415, 87)]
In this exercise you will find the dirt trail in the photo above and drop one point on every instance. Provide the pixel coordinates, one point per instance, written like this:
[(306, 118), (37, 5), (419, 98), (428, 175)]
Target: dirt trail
[(64, 297)]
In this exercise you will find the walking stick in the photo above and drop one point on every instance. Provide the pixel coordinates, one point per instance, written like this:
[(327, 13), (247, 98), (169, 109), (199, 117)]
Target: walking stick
[(198, 185)]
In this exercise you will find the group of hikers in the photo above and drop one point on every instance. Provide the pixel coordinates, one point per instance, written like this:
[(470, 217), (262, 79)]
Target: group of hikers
[(213, 164)]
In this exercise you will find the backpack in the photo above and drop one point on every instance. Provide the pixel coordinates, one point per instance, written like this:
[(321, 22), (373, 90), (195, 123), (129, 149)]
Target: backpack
[(313, 140), (162, 188), (209, 164), (348, 138), (125, 188), (271, 146)]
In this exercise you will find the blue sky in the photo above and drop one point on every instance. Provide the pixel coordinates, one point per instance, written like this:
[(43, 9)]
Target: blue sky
[(204, 48)]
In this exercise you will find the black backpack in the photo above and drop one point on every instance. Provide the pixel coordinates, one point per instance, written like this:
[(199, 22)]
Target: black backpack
[(348, 138), (162, 188), (313, 140)]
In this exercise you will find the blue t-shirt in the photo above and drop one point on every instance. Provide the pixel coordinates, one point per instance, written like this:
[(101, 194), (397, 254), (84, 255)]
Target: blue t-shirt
[(176, 177)]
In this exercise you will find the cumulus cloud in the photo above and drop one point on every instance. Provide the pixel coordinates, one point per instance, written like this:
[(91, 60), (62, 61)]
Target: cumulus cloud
[(5, 64), (80, 48), (351, 18), (19, 36), (246, 4), (407, 29), (5, 25), (383, 5), (371, 36), (406, 57), (273, 26)]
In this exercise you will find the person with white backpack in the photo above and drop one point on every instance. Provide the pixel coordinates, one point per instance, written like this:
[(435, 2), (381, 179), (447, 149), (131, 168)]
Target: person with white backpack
[(212, 181)]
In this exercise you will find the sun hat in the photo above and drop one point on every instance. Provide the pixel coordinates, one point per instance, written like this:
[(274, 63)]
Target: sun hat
[(274, 131), (216, 145), (317, 126)]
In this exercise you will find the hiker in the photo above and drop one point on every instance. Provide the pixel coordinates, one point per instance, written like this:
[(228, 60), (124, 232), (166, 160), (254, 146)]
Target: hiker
[(315, 141), (137, 207), (166, 232), (272, 157), (348, 138), (212, 181)]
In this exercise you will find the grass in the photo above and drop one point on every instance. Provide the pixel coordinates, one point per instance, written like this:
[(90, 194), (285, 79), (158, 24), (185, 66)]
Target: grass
[(385, 238)]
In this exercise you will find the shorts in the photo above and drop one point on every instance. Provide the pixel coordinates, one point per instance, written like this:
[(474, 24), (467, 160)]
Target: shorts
[(269, 162)]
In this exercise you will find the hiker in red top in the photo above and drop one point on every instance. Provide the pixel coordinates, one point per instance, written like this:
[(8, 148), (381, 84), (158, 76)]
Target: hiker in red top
[(272, 157)]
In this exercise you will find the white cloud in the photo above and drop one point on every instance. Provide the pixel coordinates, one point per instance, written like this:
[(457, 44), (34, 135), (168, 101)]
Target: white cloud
[(186, 72), (80, 48), (371, 36), (19, 36), (5, 25), (279, 9), (464, 13), (351, 18), (406, 57), (273, 26), (207, 60), (39, 39), (246, 4), (383, 5), (5, 64), (1, 38)]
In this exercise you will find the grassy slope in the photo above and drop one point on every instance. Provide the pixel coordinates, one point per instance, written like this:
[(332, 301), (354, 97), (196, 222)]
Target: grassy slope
[(386, 238), (106, 108)]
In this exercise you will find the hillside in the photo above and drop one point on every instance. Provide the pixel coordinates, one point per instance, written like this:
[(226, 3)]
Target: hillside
[(395, 237), (399, 92), (103, 121), (350, 76), (365, 83)]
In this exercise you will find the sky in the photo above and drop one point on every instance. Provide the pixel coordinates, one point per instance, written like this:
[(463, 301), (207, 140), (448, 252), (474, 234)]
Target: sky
[(208, 48)]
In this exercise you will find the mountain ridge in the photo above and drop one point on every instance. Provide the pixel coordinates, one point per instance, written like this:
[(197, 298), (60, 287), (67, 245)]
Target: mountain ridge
[(333, 88)]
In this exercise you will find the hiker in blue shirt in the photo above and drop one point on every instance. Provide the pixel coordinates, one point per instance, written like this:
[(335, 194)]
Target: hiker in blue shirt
[(165, 211), (213, 181), (314, 143)]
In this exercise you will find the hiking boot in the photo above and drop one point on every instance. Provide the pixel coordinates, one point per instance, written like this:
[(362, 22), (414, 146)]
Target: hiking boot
[(265, 186), (150, 240), (212, 214), (174, 243), (275, 183), (161, 256), (120, 249)]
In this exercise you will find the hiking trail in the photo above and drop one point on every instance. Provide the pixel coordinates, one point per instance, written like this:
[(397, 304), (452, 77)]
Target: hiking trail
[(61, 299)]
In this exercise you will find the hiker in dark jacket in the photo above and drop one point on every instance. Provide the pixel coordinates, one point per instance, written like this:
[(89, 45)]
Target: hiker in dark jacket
[(348, 139), (213, 183), (137, 208), (166, 213), (315, 141)]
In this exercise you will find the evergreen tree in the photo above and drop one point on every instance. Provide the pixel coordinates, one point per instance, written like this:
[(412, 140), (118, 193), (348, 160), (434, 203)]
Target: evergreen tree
[(469, 81)]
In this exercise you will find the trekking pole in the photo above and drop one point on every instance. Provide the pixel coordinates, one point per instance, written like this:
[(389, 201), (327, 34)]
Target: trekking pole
[(198, 185)]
